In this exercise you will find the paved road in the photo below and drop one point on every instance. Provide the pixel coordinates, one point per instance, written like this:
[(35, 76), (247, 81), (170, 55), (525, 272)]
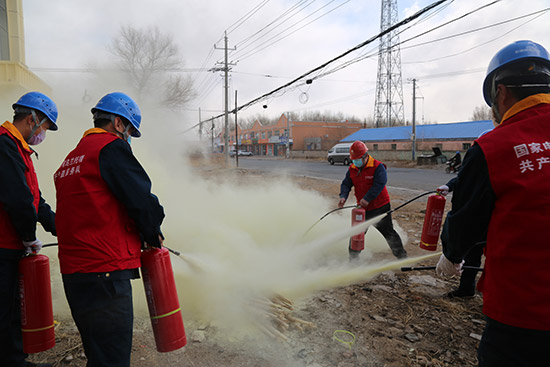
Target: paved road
[(401, 178)]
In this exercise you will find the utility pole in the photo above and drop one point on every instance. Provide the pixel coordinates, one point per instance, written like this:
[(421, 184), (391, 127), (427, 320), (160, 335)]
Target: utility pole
[(287, 154), (236, 134), (212, 129), (200, 125), (414, 122), (225, 69)]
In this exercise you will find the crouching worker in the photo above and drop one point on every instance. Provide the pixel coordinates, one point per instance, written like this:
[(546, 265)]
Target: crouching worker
[(105, 209), (368, 177)]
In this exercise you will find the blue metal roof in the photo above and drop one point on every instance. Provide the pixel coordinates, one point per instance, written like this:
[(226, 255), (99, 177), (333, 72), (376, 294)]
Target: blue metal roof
[(469, 130)]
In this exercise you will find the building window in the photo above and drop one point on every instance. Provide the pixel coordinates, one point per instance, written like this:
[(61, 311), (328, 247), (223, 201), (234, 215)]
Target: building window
[(394, 147), (263, 135), (269, 134), (466, 146), (375, 147), (252, 135), (276, 132)]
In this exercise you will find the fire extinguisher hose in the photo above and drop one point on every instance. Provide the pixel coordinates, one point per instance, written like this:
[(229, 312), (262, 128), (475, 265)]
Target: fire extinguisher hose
[(413, 268), (355, 206), (177, 253)]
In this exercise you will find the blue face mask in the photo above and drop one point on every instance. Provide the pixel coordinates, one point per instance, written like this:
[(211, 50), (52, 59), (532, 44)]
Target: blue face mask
[(358, 162)]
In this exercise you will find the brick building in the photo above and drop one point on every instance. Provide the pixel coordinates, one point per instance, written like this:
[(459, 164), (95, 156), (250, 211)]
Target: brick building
[(302, 137)]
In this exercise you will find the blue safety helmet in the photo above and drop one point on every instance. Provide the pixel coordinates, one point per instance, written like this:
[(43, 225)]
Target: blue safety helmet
[(120, 104), (40, 102), (517, 51)]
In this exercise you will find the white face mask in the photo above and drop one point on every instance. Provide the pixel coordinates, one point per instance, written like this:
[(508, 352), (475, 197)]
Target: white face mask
[(37, 138)]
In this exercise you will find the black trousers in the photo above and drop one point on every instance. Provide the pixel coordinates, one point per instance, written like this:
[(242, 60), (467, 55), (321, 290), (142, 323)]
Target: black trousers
[(468, 278), (507, 346), (385, 227), (11, 340), (103, 313)]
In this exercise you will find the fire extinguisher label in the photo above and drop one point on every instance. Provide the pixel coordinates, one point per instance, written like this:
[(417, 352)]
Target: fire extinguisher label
[(435, 223), (359, 218), (148, 291), (22, 299)]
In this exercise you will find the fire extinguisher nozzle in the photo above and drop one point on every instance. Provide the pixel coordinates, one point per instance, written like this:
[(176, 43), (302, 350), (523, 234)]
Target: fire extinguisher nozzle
[(177, 253)]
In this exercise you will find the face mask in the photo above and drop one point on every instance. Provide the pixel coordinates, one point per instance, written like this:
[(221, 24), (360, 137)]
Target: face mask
[(125, 135), (38, 138), (358, 162)]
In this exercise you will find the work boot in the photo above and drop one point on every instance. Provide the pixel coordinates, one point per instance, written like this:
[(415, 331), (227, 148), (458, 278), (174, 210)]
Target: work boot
[(400, 252), (459, 293), (31, 364)]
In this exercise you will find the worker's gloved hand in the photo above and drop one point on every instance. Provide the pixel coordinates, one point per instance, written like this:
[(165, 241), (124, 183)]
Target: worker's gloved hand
[(341, 202), (33, 247), (443, 190), (445, 267)]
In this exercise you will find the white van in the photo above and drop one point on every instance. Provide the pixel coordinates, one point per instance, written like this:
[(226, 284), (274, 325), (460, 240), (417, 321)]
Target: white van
[(339, 154)]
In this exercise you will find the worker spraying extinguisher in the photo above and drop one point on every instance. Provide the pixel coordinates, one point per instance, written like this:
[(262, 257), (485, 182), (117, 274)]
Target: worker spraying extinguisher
[(368, 177)]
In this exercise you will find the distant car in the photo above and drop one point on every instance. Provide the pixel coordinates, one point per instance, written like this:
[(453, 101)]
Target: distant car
[(339, 154), (245, 153), (241, 153)]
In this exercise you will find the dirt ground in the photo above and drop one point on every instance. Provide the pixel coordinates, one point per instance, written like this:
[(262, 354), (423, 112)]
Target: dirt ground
[(395, 319)]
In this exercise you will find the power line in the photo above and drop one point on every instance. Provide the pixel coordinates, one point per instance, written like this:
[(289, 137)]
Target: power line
[(372, 54), (359, 46), (247, 16), (540, 13), (261, 48), (291, 9)]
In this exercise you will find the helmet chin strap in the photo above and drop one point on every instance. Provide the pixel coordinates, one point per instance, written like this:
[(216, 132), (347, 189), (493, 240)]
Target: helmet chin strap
[(125, 134)]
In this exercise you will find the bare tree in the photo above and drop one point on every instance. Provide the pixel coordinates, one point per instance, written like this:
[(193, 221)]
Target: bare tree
[(482, 113), (148, 56)]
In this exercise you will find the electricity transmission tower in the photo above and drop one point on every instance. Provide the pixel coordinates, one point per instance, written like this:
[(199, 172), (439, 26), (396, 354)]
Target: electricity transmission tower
[(388, 107)]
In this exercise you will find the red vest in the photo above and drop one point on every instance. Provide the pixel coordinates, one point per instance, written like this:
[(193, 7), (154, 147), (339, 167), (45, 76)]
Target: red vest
[(516, 280), (363, 180), (9, 238), (94, 231)]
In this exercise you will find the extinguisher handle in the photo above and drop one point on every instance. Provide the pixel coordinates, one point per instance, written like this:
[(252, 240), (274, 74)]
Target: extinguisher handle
[(50, 245)]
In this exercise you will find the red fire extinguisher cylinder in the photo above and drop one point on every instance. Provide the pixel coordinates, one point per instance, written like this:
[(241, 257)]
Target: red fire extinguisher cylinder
[(35, 294), (432, 222), (358, 240), (162, 299)]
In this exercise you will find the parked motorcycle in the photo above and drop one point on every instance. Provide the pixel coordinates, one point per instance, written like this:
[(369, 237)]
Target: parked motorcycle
[(452, 167)]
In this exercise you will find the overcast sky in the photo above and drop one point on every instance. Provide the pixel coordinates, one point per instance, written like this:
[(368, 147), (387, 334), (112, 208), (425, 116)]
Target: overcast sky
[(63, 35)]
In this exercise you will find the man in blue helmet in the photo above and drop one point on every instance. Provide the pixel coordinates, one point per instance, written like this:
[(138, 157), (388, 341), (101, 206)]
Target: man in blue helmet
[(502, 190), (105, 212), (21, 206)]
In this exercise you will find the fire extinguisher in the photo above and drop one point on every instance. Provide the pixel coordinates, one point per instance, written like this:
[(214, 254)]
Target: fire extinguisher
[(358, 240), (432, 222), (36, 304), (162, 299)]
